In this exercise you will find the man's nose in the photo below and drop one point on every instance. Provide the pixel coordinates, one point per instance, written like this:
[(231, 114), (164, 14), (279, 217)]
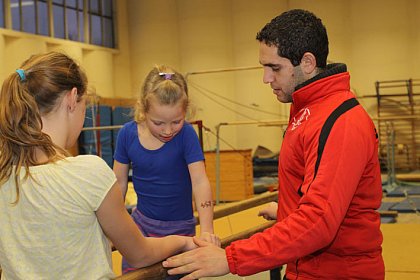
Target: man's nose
[(268, 76)]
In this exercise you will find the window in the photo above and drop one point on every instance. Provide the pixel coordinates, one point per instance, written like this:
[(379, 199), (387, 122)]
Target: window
[(59, 19), (101, 23), (42, 18), (23, 15), (28, 16), (68, 17), (72, 24), (16, 9), (74, 19)]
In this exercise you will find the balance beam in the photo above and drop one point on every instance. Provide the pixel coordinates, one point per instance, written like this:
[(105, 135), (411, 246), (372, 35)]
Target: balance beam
[(158, 272)]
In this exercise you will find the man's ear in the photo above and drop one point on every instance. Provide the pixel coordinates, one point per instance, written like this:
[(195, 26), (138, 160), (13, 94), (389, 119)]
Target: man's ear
[(308, 63), (71, 98)]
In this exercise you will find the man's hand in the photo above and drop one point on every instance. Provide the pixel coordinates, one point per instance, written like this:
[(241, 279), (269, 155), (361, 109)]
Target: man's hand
[(269, 212), (206, 261)]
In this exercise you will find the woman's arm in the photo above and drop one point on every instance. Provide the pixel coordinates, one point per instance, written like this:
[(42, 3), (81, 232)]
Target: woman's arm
[(202, 195), (139, 251), (121, 172)]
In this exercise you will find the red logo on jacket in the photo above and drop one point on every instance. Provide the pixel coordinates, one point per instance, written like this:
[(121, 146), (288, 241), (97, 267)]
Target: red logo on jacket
[(300, 117)]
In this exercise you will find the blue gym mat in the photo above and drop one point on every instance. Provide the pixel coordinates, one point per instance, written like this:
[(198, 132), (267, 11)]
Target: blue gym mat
[(407, 205), (388, 220), (385, 206), (399, 191), (87, 143)]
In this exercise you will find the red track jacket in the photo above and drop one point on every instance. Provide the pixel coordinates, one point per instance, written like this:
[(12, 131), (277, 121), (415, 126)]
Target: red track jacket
[(329, 189)]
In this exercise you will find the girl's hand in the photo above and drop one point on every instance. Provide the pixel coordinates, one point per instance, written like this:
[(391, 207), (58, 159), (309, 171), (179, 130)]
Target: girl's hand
[(269, 212), (189, 243), (211, 238)]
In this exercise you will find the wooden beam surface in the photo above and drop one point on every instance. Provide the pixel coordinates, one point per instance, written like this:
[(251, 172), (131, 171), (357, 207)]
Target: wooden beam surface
[(157, 272)]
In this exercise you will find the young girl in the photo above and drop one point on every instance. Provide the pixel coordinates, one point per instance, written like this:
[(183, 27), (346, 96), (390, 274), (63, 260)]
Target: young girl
[(167, 161), (57, 211)]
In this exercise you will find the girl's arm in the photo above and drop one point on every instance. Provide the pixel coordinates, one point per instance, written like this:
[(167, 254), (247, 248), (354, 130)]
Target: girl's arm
[(202, 195), (120, 228), (121, 172)]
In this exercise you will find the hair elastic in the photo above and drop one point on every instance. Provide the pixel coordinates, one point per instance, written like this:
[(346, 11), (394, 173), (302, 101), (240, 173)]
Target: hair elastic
[(168, 76), (21, 73)]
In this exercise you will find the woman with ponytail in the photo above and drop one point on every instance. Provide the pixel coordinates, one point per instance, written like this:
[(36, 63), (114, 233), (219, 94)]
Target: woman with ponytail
[(57, 211)]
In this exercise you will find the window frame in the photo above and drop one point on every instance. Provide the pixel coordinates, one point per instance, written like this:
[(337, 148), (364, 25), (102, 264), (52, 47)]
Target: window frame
[(84, 35)]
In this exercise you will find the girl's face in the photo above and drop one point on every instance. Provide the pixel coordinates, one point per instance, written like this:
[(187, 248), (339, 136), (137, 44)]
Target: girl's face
[(165, 121)]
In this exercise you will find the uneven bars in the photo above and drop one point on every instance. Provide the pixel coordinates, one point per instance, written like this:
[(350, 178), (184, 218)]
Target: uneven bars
[(396, 117), (222, 70), (264, 122), (261, 123), (109, 127), (157, 271)]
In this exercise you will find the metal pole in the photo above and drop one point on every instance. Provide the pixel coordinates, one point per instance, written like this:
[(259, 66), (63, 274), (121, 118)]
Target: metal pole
[(262, 123), (218, 164), (105, 127), (222, 70), (199, 124)]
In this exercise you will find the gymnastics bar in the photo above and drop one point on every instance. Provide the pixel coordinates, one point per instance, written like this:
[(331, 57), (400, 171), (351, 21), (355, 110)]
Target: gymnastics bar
[(387, 95), (111, 127), (396, 117), (199, 123), (220, 70), (259, 123), (158, 272), (235, 207), (105, 127)]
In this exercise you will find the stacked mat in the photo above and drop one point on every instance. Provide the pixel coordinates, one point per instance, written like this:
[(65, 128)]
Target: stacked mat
[(406, 199), (102, 142)]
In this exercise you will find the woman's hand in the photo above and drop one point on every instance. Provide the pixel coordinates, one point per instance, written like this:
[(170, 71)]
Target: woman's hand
[(189, 243)]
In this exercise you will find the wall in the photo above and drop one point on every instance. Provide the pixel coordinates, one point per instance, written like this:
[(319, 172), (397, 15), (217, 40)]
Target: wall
[(378, 40), (202, 35), (107, 69)]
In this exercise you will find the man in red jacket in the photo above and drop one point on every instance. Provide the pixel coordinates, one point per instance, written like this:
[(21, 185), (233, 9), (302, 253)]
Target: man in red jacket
[(329, 176)]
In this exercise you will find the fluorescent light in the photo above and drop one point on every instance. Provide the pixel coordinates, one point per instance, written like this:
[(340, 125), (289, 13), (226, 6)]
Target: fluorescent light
[(24, 3)]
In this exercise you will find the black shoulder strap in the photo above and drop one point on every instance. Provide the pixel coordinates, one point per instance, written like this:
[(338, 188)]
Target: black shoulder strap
[(326, 129)]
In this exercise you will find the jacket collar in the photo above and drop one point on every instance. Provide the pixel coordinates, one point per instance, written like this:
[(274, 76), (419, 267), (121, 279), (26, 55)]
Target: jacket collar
[(334, 78)]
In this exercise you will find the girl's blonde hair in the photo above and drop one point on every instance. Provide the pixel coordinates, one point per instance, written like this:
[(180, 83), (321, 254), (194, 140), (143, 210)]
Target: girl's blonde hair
[(164, 85), (33, 91)]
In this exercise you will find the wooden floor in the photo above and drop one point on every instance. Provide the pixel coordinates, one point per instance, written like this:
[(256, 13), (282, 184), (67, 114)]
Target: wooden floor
[(401, 250)]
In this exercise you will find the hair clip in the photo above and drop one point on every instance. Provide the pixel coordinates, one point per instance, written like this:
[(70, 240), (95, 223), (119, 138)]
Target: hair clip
[(21, 73), (168, 76)]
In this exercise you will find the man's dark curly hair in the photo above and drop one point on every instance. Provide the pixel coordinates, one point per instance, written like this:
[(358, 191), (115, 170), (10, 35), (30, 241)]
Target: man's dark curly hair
[(295, 32)]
